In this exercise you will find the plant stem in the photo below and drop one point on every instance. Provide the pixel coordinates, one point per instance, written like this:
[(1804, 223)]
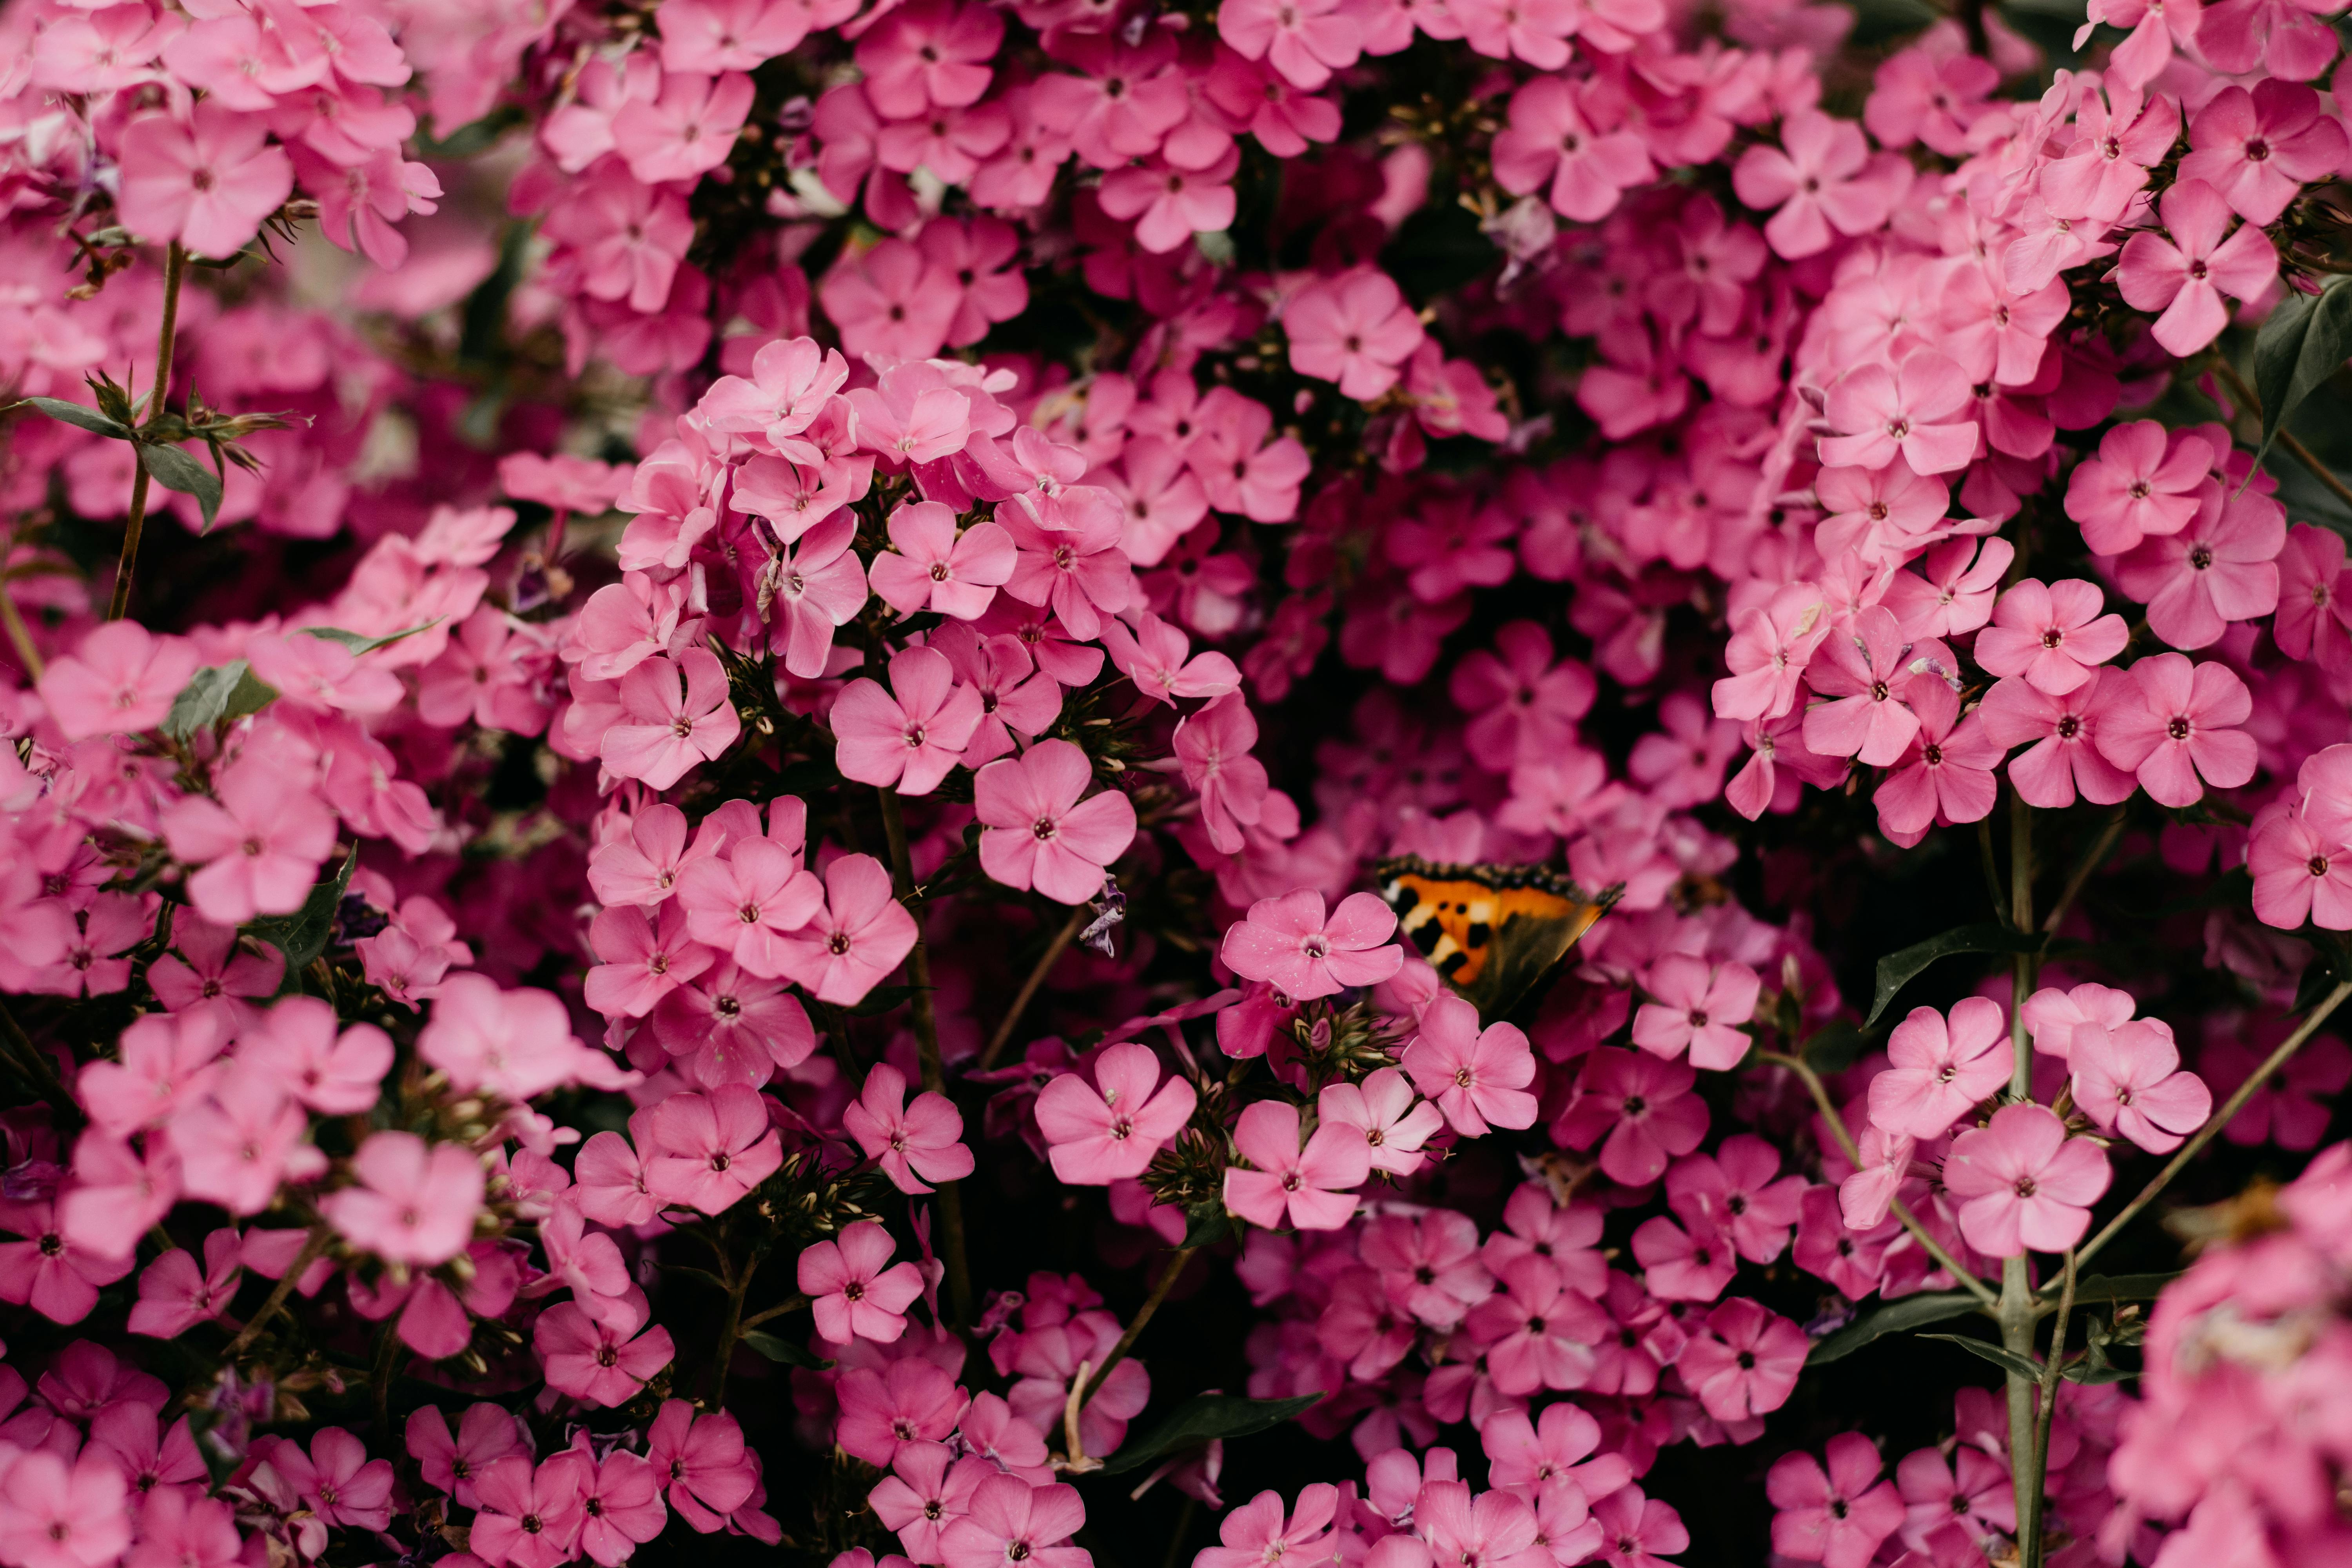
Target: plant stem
[(2296, 450), (1813, 1082), (1029, 987), (1176, 1261), (790, 1304), (2020, 908), (176, 268), (35, 1067), (2220, 1119), (737, 1287), (2029, 1518), (20, 635), (2016, 1316), (927, 1045), (1991, 869), (319, 1235), (2083, 869)]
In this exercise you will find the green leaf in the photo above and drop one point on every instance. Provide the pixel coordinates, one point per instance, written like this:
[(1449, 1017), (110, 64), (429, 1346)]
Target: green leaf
[(1898, 970), (1894, 1318), (2115, 1288), (1834, 1049), (780, 1350), (90, 420), (2301, 345), (1207, 1224), (1436, 251), (883, 999), (302, 936), (1203, 1418), (217, 694), (360, 643), (175, 470), (2005, 1359)]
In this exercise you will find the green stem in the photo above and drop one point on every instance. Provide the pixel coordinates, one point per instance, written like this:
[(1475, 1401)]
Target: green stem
[(1029, 987), (2296, 450), (2029, 1518), (737, 1287), (2082, 873), (176, 268), (35, 1067), (20, 635), (320, 1236), (2020, 908), (2016, 1315), (1176, 1261), (926, 1046), (1935, 1250), (790, 1304), (1991, 869), (2220, 1119)]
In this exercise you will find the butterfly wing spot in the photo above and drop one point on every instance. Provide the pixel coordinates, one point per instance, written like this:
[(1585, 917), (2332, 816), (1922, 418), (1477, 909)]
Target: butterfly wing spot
[(1490, 932)]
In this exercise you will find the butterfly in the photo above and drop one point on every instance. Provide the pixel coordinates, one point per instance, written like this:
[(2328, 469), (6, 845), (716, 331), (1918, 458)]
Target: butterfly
[(1490, 932)]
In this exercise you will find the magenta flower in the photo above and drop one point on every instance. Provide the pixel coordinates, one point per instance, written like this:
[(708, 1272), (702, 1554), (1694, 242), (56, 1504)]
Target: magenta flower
[(910, 736), (1429, 1264), (207, 182), (1638, 1532), (2182, 728), (2022, 1183), (2221, 567), (1314, 1186), (1768, 651), (2061, 735), (601, 1360), (860, 936), (260, 841), (1641, 1106), (530, 1517), (673, 716), (120, 679), (1836, 1517), (1684, 1265), (451, 1464), (1108, 1131), (744, 901), (642, 958), (1941, 1069), (1036, 833), (1014, 1523), (337, 1479), (2143, 482), (2300, 873), (1478, 1077), (620, 1507), (890, 300), (1908, 410), (1383, 1108), (1744, 1361), (1819, 184), (1538, 1333), (820, 586), (1213, 746), (1739, 1190), (685, 132), (2185, 277), (2127, 1076), (936, 568), (2258, 148), (1160, 659), (1355, 329), (2053, 635), (700, 1463), (1289, 944), (710, 1150), (855, 1289), (1255, 1534), (2314, 618), (1522, 699), (2051, 1015), (416, 1203), (1527, 1456), (52, 1273), (1946, 774), (53, 1515), (1698, 1009), (176, 1292), (1305, 41), (1867, 676), (1553, 140), (912, 1143)]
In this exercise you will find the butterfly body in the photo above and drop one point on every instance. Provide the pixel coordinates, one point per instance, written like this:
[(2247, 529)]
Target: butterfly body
[(1490, 932)]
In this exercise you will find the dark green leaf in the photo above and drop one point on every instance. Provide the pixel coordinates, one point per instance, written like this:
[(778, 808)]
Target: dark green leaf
[(175, 470), (217, 694), (360, 643), (221, 1460), (1207, 1224), (780, 1350), (2098, 1288), (1834, 1049), (1894, 1318), (1898, 970), (2007, 1360), (2301, 345), (90, 420), (1200, 1419), (1438, 249), (302, 936), (883, 999)]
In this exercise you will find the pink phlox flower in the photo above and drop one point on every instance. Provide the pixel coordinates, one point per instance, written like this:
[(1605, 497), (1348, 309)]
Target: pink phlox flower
[(1523, 704), (1952, 592), (1739, 1191), (176, 1292), (2052, 634), (2051, 1015), (1313, 1186), (1159, 658), (644, 957), (891, 299), (2122, 135), (860, 936), (485, 1432), (121, 678), (744, 901), (584, 1262), (936, 568), (641, 866), (913, 1143), (1568, 139), (2186, 275), (1941, 1067), (1820, 184), (2022, 1183), (2257, 149), (514, 1044), (1769, 649), (343, 1487), (930, 1488), (2315, 616), (1289, 943), (1429, 1264), (1641, 1106), (911, 735), (1016, 696), (1068, 557), (673, 716), (933, 53), (1698, 1008), (1878, 512), (241, 1138), (1530, 1456), (1256, 1535), (208, 181), (2061, 735), (626, 623), (1355, 329), (2127, 1078), (1110, 1132), (334, 1071), (415, 1202), (701, 1464), (1679, 1264), (1907, 409), (687, 131), (1213, 746), (1305, 42), (1394, 1121), (1240, 468), (910, 1401), (259, 841), (164, 1063), (853, 1288), (1477, 1077), (1570, 1237), (1867, 675), (494, 673), (530, 1517), (1537, 1333), (1743, 1362), (791, 381), (1839, 1516), (2143, 483), (602, 1361), (54, 1514), (1946, 774), (712, 1148), (1012, 1522), (818, 584), (2182, 729), (1971, 1489)]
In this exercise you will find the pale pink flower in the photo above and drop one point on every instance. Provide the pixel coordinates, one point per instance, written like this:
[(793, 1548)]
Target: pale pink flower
[(2186, 275), (1907, 409), (861, 936), (53, 1515), (1946, 774), (1109, 1131), (685, 132), (1314, 1186), (2257, 149), (1011, 1522), (673, 717), (207, 182), (1355, 329), (1394, 1121), (936, 568), (2022, 1183), (1306, 40), (605, 1362), (1213, 746), (1743, 1362), (1770, 648), (2061, 735), (2126, 1078), (710, 1150), (746, 902), (910, 736), (1035, 831), (1941, 1069), (1819, 184), (2183, 727), (912, 1143), (415, 1204), (2142, 482), (300, 1045), (855, 1289), (2051, 1015), (1836, 1517), (1288, 942), (1698, 1008), (1478, 1077), (259, 842), (2052, 634), (1552, 139), (643, 957), (1170, 205), (121, 678)]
